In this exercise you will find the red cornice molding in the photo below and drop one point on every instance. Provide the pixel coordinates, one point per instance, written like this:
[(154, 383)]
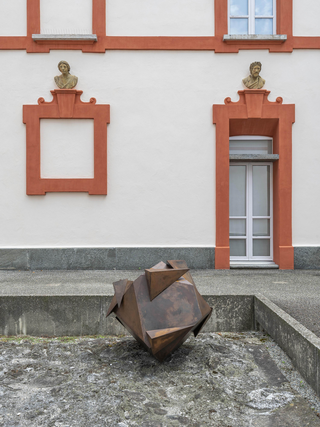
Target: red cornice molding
[(213, 43)]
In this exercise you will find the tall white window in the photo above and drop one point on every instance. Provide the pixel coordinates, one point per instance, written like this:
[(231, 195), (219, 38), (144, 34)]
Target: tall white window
[(250, 202), (250, 210), (252, 17)]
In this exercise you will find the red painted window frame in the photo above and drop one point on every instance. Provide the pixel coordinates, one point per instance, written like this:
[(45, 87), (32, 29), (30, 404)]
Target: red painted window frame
[(254, 114), (284, 26), (66, 104)]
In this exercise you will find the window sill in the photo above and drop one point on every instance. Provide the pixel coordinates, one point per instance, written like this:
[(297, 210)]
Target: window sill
[(255, 38), (54, 38), (253, 265), (254, 157)]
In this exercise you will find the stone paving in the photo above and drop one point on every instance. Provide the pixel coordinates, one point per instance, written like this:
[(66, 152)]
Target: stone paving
[(219, 380)]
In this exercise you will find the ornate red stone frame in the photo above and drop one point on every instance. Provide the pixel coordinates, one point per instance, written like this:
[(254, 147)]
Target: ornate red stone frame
[(284, 26), (216, 43), (254, 114), (66, 104)]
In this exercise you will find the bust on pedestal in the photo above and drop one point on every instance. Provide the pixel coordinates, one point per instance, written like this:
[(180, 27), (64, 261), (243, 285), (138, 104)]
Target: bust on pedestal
[(65, 80), (254, 81)]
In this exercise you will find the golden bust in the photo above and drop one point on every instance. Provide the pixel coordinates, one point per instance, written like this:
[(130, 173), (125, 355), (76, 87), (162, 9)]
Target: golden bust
[(254, 81), (65, 80)]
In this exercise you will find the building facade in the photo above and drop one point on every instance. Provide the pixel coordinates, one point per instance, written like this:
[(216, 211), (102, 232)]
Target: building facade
[(159, 150)]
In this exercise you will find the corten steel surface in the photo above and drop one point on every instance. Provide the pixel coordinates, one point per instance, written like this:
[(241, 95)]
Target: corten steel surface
[(161, 308)]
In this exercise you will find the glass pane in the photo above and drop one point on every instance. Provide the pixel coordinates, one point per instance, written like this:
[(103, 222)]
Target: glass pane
[(261, 190), (250, 146), (264, 7), (237, 227), (264, 26), (238, 26), (237, 247), (237, 191), (261, 247), (238, 7), (261, 227)]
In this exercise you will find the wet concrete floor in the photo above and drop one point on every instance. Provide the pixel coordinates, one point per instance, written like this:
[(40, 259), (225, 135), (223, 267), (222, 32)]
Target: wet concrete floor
[(219, 380)]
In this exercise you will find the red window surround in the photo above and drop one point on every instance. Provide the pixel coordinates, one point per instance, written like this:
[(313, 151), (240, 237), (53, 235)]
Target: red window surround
[(105, 42), (33, 27), (284, 26), (66, 104), (254, 114)]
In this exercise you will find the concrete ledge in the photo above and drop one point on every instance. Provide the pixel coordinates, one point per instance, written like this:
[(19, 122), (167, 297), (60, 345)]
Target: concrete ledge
[(69, 315), (64, 37), (254, 157), (275, 38), (76, 315), (102, 258), (231, 313), (300, 344), (255, 266)]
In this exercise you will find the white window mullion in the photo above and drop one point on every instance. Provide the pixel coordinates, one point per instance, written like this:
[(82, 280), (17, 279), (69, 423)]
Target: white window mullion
[(251, 24), (247, 199), (249, 212), (271, 200)]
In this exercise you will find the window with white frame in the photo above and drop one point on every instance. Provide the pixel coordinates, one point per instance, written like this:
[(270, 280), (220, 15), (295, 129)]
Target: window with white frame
[(250, 202), (252, 17)]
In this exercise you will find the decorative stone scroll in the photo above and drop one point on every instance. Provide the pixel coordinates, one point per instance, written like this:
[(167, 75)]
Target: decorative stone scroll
[(66, 104)]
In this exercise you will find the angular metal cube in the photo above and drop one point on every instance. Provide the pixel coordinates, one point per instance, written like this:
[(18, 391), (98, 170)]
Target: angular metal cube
[(161, 308)]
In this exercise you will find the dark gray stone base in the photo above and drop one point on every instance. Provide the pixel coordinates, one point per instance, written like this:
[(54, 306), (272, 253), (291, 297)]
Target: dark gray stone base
[(102, 258), (307, 258)]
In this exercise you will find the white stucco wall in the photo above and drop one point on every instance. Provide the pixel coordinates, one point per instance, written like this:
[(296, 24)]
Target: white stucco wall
[(306, 18), (66, 16), (66, 148), (13, 17), (160, 153), (161, 146), (160, 17)]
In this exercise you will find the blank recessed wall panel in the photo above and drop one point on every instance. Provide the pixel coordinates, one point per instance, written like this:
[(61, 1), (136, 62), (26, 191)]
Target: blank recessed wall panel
[(66, 16), (160, 17), (13, 17), (306, 18), (66, 148)]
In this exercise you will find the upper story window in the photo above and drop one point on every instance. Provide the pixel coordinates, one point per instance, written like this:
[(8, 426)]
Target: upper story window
[(252, 17)]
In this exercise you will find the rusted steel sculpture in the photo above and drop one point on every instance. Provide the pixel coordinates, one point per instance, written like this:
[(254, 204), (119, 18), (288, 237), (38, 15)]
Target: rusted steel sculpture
[(161, 308)]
